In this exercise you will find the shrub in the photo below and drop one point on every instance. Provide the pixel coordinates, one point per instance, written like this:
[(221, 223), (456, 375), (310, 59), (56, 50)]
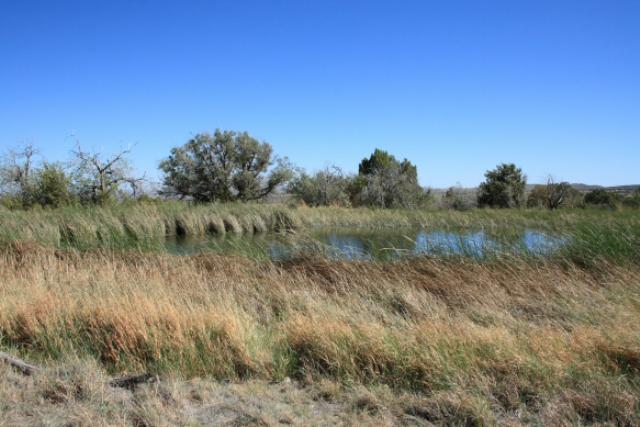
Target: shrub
[(459, 199), (554, 196), (51, 187), (537, 197), (602, 198), (503, 188), (385, 182), (633, 201), (327, 187)]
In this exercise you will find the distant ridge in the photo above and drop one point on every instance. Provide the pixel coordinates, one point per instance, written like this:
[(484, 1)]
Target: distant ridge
[(620, 189), (623, 190)]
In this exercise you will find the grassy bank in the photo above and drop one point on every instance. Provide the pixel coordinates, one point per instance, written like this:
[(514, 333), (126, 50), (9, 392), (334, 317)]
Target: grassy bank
[(594, 234), (537, 342)]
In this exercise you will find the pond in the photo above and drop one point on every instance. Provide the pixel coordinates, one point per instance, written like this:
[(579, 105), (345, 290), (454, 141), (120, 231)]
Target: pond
[(375, 245)]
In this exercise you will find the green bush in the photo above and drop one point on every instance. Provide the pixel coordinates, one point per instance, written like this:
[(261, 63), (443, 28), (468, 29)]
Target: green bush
[(51, 186), (327, 187), (601, 198), (385, 182), (503, 188)]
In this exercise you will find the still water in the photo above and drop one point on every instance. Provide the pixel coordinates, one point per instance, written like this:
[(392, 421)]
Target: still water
[(375, 245)]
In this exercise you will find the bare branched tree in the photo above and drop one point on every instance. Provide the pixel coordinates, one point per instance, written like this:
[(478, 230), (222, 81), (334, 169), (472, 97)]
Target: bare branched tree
[(136, 184), (99, 176), (17, 167), (17, 170), (556, 193)]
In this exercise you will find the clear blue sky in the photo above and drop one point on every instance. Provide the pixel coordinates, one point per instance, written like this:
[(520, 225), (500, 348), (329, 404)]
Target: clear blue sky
[(455, 86)]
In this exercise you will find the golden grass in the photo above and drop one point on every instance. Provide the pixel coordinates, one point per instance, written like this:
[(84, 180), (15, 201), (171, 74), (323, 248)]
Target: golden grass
[(548, 340)]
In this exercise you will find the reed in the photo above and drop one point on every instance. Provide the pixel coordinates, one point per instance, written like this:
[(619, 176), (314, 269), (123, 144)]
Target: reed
[(591, 234)]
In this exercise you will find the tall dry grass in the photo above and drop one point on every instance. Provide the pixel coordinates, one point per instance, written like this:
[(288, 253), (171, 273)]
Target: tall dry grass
[(550, 341)]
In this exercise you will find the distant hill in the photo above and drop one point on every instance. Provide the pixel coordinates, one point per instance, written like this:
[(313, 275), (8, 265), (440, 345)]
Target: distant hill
[(623, 190)]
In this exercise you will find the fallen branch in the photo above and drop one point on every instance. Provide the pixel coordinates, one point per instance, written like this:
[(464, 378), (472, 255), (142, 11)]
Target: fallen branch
[(128, 382), (20, 365)]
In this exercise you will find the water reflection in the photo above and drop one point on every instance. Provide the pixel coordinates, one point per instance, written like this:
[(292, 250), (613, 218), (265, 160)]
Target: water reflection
[(440, 242), (378, 245), (542, 243), (476, 244)]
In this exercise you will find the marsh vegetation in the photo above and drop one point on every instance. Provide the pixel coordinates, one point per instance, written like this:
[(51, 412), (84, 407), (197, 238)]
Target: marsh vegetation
[(512, 337)]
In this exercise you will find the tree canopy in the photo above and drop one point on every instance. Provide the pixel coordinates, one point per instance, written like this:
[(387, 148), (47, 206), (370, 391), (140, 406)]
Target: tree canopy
[(503, 187), (226, 166), (385, 182)]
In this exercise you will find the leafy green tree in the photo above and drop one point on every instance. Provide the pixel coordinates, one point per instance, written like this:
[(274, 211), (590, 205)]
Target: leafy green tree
[(602, 198), (52, 186), (327, 187), (380, 162), (385, 182), (225, 166), (503, 187)]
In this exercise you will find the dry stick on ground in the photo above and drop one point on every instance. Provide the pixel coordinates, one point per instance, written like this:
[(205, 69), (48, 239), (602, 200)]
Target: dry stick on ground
[(128, 382), (131, 381), (20, 365)]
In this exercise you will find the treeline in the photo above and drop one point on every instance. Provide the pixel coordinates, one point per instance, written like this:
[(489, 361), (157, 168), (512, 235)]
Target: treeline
[(229, 166), (86, 178)]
